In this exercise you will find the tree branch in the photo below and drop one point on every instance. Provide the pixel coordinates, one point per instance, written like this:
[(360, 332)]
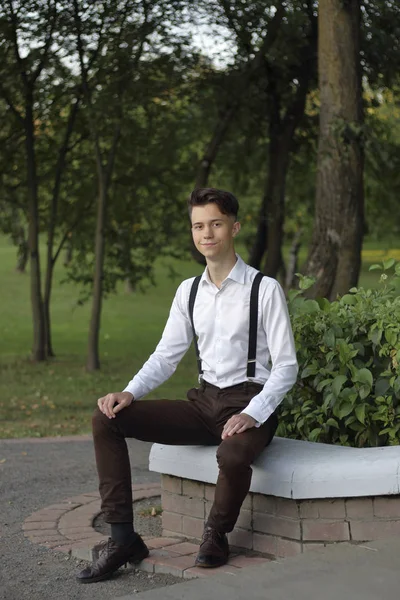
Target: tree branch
[(112, 154), (73, 225), (85, 85), (241, 35), (47, 43), (11, 106), (14, 29)]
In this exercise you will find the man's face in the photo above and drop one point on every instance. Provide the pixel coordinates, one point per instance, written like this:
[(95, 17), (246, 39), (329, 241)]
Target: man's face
[(212, 231)]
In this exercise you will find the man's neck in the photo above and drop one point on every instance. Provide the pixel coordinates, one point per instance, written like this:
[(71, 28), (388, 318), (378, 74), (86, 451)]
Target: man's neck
[(218, 271)]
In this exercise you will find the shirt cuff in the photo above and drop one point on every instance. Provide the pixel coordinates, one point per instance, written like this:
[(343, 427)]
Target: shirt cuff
[(135, 390), (246, 412), (259, 412)]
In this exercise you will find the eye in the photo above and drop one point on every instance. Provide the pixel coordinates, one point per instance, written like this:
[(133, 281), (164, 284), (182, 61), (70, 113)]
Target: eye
[(218, 224)]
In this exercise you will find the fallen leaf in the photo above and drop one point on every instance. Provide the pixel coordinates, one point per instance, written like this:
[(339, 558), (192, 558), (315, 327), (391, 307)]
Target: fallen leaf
[(153, 512), (3, 460)]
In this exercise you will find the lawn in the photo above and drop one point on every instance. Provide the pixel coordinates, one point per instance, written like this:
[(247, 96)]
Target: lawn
[(58, 397)]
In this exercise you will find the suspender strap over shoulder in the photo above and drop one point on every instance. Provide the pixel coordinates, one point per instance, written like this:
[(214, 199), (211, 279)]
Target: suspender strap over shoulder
[(192, 298), (251, 357)]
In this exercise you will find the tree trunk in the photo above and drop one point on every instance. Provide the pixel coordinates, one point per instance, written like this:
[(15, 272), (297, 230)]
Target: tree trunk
[(292, 268), (335, 253), (23, 256), (104, 175), (207, 161), (260, 240), (222, 127), (278, 166), (68, 252), (211, 151), (269, 235), (23, 249), (51, 260), (129, 287), (39, 336), (93, 358)]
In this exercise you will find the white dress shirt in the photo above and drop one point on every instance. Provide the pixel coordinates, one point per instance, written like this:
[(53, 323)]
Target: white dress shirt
[(221, 320)]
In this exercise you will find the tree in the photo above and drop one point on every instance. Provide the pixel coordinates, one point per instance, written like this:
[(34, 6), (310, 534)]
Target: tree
[(335, 253), (112, 40), (290, 72), (19, 95), (42, 101), (274, 67), (382, 166)]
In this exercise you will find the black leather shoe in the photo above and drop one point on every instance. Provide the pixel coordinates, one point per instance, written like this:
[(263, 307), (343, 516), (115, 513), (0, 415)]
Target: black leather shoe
[(111, 556), (214, 549)]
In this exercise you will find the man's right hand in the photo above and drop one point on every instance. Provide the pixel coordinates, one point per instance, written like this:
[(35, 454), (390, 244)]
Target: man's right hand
[(113, 403)]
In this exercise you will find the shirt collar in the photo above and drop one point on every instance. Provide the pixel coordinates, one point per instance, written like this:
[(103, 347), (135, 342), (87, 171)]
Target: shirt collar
[(237, 273)]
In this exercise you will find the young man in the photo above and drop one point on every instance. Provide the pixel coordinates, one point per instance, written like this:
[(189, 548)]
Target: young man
[(230, 409)]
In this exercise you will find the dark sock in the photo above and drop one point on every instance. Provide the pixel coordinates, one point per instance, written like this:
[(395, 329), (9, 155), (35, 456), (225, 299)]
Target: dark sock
[(122, 533)]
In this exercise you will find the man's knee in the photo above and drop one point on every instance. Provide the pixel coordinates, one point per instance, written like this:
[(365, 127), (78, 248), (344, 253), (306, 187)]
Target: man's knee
[(231, 456), (99, 420)]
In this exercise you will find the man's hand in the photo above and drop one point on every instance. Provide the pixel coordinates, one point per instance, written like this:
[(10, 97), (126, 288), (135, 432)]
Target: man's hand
[(237, 424), (113, 403)]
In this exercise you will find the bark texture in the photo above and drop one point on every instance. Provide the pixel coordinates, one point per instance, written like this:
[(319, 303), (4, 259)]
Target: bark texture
[(104, 175), (39, 333), (335, 252), (50, 263), (93, 358)]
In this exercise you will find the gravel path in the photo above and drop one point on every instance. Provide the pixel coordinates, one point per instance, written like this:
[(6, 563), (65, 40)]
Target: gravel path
[(145, 524), (33, 475)]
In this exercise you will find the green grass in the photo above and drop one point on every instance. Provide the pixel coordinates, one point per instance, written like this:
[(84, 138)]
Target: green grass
[(58, 397)]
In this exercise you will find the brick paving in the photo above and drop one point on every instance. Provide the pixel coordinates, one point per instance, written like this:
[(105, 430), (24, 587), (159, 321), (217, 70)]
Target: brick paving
[(68, 527)]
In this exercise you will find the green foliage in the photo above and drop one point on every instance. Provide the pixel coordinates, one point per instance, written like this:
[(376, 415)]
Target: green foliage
[(348, 390)]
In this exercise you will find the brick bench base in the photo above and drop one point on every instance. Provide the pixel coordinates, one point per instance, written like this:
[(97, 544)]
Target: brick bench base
[(280, 526)]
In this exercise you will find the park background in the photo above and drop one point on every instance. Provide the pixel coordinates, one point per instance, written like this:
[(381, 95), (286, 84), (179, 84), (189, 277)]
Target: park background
[(112, 112)]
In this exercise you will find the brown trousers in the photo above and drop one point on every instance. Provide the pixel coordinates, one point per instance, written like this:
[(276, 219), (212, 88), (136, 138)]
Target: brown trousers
[(199, 421)]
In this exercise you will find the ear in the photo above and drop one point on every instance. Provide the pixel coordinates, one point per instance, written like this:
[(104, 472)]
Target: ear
[(236, 228)]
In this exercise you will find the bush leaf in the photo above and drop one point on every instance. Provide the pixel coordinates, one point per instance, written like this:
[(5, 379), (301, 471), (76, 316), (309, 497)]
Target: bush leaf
[(338, 383), (360, 413), (364, 376)]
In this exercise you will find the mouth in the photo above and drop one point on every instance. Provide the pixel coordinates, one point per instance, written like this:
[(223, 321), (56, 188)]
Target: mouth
[(209, 245)]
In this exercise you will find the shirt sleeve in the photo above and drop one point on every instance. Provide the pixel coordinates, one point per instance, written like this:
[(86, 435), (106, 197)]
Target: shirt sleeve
[(174, 343), (276, 322)]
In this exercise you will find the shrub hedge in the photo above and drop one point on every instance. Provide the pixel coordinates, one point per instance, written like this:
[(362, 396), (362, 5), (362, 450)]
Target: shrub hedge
[(348, 389)]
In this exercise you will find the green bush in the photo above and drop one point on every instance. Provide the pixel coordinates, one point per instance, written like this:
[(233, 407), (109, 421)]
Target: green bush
[(348, 390)]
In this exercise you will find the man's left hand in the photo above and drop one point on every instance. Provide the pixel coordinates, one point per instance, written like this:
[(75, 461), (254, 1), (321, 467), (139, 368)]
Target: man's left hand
[(237, 424)]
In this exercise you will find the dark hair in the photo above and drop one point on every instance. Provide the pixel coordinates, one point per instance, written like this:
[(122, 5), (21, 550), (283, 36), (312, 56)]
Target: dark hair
[(226, 202)]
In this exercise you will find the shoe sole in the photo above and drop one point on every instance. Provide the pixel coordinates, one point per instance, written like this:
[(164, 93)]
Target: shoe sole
[(98, 578), (109, 574), (138, 559), (215, 566)]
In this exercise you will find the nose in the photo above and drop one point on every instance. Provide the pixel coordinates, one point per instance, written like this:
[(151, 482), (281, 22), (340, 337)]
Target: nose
[(208, 231)]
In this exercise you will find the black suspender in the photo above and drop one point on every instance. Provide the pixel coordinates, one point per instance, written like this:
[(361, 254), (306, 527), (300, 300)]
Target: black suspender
[(192, 298), (251, 356)]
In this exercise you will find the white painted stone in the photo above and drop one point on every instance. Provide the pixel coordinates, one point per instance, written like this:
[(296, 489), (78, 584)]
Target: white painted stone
[(294, 469)]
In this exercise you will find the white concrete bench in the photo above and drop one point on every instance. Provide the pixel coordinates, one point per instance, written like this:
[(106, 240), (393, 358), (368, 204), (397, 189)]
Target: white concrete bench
[(302, 495)]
